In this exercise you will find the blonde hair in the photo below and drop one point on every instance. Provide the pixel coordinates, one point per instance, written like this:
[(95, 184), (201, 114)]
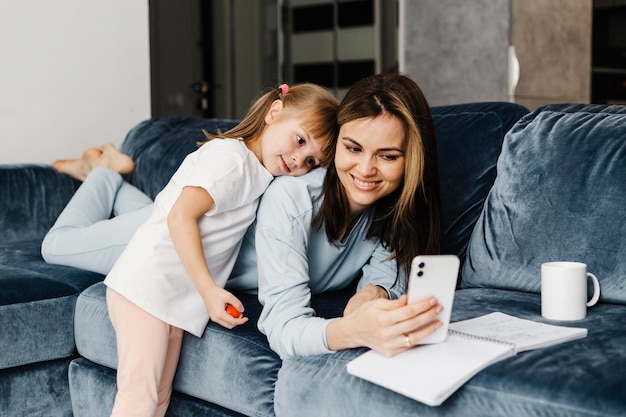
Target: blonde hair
[(314, 104), (407, 221)]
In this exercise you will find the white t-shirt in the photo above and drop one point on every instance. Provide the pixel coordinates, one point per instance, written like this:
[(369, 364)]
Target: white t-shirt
[(149, 272)]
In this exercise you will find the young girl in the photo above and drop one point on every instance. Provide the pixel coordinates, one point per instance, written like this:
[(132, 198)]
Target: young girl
[(170, 277)]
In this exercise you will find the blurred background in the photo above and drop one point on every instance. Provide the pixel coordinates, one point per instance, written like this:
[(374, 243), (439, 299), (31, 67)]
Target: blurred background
[(77, 73)]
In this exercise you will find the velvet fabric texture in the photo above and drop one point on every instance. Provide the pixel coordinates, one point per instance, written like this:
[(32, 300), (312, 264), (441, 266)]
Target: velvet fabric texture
[(35, 390), (581, 378), (559, 195), (97, 393), (232, 368), (32, 196), (469, 140), (36, 300)]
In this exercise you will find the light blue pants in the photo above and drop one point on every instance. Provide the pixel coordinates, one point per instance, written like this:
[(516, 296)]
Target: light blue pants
[(97, 223)]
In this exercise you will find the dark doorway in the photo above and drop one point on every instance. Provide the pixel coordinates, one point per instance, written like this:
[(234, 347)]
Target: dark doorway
[(179, 76), (211, 58)]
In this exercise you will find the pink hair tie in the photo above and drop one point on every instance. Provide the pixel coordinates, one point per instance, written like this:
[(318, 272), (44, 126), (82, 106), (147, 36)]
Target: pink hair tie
[(283, 88)]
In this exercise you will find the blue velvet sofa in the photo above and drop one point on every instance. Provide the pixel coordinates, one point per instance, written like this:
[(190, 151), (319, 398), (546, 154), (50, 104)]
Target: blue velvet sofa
[(518, 188)]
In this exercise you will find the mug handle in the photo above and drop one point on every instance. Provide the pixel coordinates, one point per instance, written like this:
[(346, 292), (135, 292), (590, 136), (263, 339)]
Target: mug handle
[(596, 290)]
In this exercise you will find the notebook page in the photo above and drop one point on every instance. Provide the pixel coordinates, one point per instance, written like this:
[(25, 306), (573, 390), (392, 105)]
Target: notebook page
[(430, 373), (524, 334)]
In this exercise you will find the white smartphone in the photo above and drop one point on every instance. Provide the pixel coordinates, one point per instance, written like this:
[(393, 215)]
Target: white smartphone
[(435, 275)]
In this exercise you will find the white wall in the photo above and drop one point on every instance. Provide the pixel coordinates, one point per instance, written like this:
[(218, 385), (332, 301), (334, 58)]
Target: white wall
[(73, 74)]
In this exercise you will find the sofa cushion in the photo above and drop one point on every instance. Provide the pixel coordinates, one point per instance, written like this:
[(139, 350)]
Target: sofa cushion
[(36, 314), (469, 139), (559, 195), (158, 146), (575, 379), (93, 392), (36, 305), (232, 368), (32, 197), (35, 390), (235, 368)]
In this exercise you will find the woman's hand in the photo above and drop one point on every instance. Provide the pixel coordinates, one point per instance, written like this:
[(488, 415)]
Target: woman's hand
[(367, 293), (386, 326)]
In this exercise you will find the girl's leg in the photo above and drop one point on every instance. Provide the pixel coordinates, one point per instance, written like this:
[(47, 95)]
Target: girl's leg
[(148, 351), (84, 235), (169, 371)]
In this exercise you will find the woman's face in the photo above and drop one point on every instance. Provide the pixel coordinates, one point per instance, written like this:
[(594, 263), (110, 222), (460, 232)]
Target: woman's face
[(370, 159)]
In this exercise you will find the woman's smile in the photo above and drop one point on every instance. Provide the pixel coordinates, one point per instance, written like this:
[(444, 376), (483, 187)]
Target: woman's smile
[(363, 184)]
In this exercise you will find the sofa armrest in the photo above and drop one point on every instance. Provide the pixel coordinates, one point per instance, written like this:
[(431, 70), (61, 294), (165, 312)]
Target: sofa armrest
[(31, 198)]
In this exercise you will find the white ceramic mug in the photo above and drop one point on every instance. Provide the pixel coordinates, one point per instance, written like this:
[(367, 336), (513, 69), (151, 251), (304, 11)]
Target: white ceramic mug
[(564, 290)]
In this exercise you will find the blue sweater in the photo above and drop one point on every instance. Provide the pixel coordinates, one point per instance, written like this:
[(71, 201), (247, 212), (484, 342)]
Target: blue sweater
[(292, 261)]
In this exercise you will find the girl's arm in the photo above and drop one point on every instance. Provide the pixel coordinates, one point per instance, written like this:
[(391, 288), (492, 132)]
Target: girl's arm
[(182, 222)]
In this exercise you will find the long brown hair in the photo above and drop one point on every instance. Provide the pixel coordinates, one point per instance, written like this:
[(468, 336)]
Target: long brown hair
[(407, 221), (311, 102)]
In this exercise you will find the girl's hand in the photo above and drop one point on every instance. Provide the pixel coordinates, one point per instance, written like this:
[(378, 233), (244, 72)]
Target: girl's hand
[(367, 293), (386, 326), (216, 302)]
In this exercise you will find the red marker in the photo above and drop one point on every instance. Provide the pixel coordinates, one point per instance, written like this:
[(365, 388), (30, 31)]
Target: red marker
[(232, 311)]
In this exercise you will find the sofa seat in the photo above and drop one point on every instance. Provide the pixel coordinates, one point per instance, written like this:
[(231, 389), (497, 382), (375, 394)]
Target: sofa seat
[(224, 373), (580, 378), (96, 387), (235, 369), (36, 305)]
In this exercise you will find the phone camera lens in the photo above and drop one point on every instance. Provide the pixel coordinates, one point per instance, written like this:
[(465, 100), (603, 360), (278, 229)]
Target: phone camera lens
[(420, 273), (421, 265)]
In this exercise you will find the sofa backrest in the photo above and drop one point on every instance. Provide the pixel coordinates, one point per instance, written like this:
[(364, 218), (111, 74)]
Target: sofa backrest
[(158, 147), (469, 139), (560, 195)]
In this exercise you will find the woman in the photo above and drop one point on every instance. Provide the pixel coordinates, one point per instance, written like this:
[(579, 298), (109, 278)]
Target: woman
[(368, 215)]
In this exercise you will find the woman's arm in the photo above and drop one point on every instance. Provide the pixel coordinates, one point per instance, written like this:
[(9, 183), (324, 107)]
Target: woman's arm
[(282, 240), (283, 235), (287, 318)]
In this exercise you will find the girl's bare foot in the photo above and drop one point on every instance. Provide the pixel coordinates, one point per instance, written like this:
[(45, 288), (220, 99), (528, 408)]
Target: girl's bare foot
[(113, 159)]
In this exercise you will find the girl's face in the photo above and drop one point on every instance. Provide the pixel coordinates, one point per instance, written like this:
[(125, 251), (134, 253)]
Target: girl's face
[(287, 148), (370, 159)]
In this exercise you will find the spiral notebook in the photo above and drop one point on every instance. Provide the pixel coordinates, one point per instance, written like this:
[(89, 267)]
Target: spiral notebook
[(431, 373)]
